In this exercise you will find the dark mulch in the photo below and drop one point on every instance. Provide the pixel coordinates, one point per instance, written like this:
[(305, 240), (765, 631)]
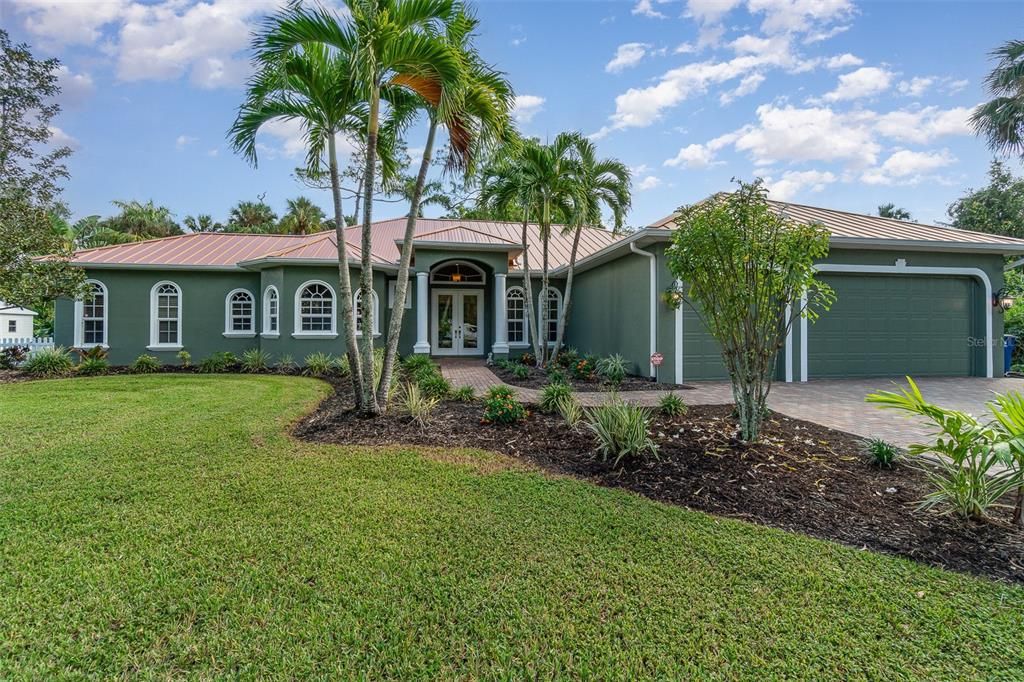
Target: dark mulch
[(538, 378), (13, 376), (802, 477)]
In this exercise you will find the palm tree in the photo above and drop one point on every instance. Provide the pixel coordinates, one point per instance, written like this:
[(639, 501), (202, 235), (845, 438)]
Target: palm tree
[(389, 44), (890, 210), (251, 216), (302, 217), (1001, 119), (202, 223), (145, 221), (90, 232), (601, 183)]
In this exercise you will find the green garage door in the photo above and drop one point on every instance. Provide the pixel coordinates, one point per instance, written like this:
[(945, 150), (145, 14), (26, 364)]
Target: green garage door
[(892, 326), (702, 356)]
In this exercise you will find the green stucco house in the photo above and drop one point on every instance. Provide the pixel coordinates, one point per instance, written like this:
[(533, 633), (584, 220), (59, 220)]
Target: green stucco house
[(912, 299)]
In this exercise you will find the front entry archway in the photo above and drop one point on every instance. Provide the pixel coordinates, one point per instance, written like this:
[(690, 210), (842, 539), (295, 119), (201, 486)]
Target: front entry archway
[(458, 321)]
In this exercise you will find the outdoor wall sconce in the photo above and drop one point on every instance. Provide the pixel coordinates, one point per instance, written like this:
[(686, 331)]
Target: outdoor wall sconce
[(1002, 300)]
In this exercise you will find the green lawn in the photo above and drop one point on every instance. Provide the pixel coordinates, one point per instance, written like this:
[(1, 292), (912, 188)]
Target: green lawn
[(166, 525)]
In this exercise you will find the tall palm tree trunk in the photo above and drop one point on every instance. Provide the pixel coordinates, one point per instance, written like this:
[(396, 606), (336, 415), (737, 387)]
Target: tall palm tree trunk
[(344, 277), (567, 299), (402, 285), (528, 286), (369, 404), (542, 357)]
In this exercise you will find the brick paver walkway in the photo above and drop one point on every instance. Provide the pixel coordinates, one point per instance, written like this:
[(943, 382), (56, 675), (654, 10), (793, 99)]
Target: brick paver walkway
[(836, 403)]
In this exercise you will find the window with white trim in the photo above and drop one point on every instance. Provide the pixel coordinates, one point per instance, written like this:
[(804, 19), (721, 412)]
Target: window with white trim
[(374, 311), (315, 309), (550, 310), (165, 315), (515, 315), (91, 317), (271, 310), (239, 313), (12, 326)]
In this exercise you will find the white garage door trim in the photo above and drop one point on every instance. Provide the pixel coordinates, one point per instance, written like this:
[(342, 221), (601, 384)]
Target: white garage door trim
[(900, 268)]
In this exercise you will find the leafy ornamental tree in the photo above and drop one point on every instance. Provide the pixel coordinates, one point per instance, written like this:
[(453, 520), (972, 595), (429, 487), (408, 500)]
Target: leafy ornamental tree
[(890, 210), (251, 216), (744, 262), (302, 217), (1001, 119), (996, 209)]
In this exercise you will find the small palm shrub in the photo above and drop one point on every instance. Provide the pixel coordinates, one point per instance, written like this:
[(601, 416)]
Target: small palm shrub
[(672, 405), (342, 366), (285, 364), (550, 396), (417, 404), (318, 364), (89, 367), (12, 356), (879, 452), (413, 363), (613, 368), (49, 362), (185, 358), (218, 363), (435, 386), (464, 394), (571, 411), (144, 364), (255, 360), (621, 431), (502, 407)]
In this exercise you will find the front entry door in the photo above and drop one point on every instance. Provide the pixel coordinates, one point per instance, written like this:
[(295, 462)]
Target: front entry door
[(458, 322)]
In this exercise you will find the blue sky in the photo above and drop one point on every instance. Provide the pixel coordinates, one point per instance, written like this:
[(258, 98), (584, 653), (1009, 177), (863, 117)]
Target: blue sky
[(839, 103)]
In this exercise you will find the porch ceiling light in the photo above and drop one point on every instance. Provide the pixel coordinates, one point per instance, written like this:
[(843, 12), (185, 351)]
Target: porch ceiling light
[(1003, 299)]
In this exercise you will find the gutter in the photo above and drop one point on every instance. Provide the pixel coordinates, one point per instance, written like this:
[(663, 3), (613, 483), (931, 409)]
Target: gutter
[(654, 302)]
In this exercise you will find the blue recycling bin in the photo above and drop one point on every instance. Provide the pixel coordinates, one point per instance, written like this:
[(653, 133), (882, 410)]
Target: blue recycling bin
[(1009, 344)]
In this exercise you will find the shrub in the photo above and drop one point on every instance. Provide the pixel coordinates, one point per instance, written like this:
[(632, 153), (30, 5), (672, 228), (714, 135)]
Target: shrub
[(94, 353), (144, 364), (318, 364), (417, 404), (435, 386), (342, 366), (528, 359), (255, 360), (13, 356), (413, 363), (571, 411), (504, 363), (583, 369), (89, 367), (185, 358), (502, 407), (672, 405), (286, 365), (551, 394), (464, 394), (521, 372), (613, 368), (557, 376), (621, 430), (879, 452), (568, 357), (49, 362), (218, 362)]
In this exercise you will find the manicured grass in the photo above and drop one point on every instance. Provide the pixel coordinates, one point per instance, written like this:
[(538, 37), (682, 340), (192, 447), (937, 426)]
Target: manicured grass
[(162, 526)]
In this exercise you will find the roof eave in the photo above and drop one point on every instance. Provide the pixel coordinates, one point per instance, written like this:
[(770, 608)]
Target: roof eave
[(868, 243), (462, 246), (154, 266), (260, 263)]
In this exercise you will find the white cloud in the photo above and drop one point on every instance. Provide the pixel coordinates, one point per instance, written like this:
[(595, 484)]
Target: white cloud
[(916, 86), (59, 138), (213, 152), (813, 134), (798, 16), (921, 126), (701, 155), (645, 8), (62, 23), (184, 141), (527, 106), (905, 166), (792, 182), (626, 56), (864, 82), (75, 88), (648, 182), (748, 85), (684, 48), (709, 11), (289, 133), (954, 86), (843, 61)]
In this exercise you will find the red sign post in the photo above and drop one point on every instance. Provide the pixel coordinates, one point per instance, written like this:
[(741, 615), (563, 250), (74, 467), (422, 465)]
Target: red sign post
[(657, 359)]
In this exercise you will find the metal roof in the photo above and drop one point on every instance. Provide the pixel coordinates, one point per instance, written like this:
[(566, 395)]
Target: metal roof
[(201, 249)]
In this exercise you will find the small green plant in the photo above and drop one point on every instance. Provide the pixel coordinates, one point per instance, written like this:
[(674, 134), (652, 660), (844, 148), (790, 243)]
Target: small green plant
[(568, 357), (255, 360), (464, 394), (318, 364), (144, 364), (521, 372), (342, 366), (94, 353), (613, 368), (583, 369), (185, 358), (879, 452), (672, 405), (435, 386), (621, 431), (417, 404), (89, 367), (217, 363), (504, 363), (413, 363), (571, 411), (12, 356), (286, 364), (502, 407), (528, 359), (550, 396), (556, 375)]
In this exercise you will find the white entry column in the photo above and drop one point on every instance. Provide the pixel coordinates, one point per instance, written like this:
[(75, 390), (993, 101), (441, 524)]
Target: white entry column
[(422, 313), (500, 325)]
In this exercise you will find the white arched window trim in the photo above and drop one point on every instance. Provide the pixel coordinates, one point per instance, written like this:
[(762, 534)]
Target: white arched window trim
[(376, 311), (461, 264), (297, 332), (80, 318), (526, 318), (229, 330), (271, 316), (549, 325), (154, 319)]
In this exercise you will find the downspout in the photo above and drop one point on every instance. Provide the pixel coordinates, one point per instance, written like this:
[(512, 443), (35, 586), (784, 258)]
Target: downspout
[(654, 302)]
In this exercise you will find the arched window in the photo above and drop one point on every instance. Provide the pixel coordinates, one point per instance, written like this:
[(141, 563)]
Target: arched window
[(457, 272), (165, 316), (239, 314), (91, 316), (550, 310), (271, 311), (314, 310), (515, 314), (374, 307)]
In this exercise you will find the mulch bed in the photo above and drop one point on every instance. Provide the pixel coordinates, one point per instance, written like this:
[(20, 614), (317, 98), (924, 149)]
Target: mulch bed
[(538, 378), (802, 477)]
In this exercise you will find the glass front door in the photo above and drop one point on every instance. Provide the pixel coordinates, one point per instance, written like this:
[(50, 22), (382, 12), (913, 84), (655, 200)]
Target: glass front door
[(458, 322)]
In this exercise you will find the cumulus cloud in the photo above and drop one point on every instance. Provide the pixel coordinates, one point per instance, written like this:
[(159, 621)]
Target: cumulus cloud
[(184, 141), (843, 61), (701, 155), (527, 106), (59, 138), (61, 23), (916, 86), (709, 11), (792, 182), (800, 16), (626, 56), (787, 133), (645, 8), (922, 126), (648, 182), (864, 82), (75, 88), (906, 166), (748, 85)]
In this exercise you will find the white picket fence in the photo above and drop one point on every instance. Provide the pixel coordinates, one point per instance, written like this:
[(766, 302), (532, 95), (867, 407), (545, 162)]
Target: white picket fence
[(33, 343)]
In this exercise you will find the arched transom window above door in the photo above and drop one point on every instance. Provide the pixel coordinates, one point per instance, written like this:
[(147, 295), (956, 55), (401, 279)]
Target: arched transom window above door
[(457, 272)]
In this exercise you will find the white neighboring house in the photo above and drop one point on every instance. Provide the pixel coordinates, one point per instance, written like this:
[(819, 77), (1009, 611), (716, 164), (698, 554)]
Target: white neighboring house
[(15, 322)]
